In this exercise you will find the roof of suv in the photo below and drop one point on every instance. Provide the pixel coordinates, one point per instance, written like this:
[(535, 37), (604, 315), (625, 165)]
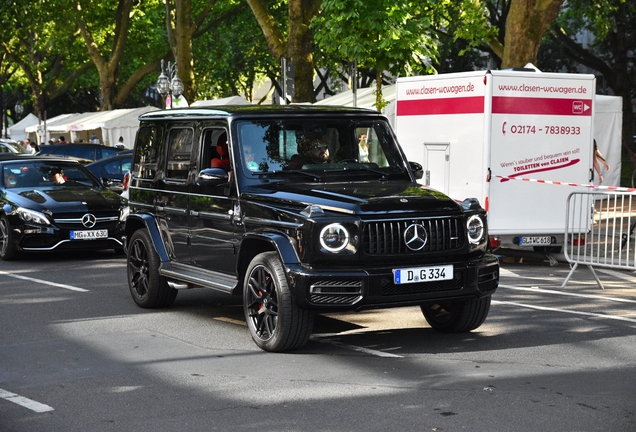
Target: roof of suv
[(250, 110)]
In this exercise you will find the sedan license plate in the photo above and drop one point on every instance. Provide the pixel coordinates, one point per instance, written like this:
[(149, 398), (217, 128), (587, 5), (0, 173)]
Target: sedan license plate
[(535, 241), (422, 274), (89, 235)]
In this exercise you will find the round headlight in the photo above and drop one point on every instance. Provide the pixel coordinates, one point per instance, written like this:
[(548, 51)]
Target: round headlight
[(475, 229), (334, 237)]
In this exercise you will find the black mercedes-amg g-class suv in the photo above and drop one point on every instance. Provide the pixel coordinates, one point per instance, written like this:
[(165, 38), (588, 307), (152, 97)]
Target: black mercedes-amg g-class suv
[(299, 210)]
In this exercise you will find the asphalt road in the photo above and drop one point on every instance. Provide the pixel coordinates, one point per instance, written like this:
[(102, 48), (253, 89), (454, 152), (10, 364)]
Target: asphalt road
[(76, 354)]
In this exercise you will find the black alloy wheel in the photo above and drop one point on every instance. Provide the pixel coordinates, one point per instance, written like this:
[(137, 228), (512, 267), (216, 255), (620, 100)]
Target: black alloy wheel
[(148, 288), (7, 247), (275, 322)]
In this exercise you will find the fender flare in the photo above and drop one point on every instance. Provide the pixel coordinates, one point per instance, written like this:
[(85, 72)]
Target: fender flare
[(149, 222), (279, 242)]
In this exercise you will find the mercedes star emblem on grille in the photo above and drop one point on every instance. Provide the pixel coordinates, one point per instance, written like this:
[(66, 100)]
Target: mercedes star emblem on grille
[(415, 237), (88, 220)]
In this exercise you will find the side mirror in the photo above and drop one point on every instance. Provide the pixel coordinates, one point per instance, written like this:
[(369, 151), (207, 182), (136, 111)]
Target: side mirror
[(212, 177), (417, 169), (113, 184)]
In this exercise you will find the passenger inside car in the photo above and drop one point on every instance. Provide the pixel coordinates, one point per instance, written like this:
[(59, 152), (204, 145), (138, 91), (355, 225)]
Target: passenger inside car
[(223, 159), (10, 180), (56, 176)]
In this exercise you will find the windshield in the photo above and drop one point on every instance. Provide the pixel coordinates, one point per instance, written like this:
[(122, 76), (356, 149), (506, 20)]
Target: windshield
[(37, 174), (316, 147)]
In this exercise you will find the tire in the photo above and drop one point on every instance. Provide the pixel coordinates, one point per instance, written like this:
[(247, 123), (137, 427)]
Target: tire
[(8, 250), (457, 317), (275, 322), (148, 288)]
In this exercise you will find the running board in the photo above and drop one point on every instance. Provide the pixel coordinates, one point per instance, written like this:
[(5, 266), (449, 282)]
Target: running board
[(184, 277)]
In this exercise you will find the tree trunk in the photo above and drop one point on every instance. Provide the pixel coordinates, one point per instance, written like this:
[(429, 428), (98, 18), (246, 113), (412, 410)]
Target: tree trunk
[(527, 22), (380, 103), (108, 69), (273, 36), (181, 44), (298, 48)]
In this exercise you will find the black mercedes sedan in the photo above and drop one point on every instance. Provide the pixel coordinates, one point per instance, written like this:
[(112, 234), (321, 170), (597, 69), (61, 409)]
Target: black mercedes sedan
[(54, 204)]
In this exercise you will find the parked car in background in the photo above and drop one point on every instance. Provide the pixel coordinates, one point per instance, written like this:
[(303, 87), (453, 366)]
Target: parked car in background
[(111, 170), (50, 204), (86, 151), (11, 146)]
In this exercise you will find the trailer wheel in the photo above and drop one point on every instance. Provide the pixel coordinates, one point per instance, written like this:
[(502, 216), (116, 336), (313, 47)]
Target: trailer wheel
[(275, 322), (457, 317)]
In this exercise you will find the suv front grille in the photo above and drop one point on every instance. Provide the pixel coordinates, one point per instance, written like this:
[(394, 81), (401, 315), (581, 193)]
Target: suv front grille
[(387, 237)]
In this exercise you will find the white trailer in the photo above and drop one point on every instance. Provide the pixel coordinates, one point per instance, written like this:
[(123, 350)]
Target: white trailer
[(478, 134)]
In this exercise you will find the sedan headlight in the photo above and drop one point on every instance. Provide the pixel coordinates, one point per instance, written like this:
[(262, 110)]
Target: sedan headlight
[(334, 237), (475, 229), (31, 216)]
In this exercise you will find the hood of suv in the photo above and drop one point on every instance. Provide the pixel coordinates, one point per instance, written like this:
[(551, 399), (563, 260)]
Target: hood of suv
[(357, 198)]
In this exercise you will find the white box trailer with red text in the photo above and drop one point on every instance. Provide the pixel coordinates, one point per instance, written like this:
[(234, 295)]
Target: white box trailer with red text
[(477, 134)]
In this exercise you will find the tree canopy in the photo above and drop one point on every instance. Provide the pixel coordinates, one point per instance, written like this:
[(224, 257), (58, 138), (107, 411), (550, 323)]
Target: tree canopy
[(107, 55)]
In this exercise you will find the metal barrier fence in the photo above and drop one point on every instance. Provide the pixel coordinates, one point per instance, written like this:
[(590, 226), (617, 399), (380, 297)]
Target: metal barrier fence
[(599, 231)]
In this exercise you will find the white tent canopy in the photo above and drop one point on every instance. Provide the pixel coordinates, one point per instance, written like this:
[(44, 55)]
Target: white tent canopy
[(365, 98), (33, 129), (232, 100), (17, 131), (104, 126), (109, 126), (608, 125)]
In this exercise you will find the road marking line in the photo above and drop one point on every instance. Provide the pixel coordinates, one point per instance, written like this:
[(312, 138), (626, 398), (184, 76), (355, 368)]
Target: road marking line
[(507, 273), (620, 275), (231, 321), (40, 281), (356, 348), (590, 296), (543, 308), (22, 401)]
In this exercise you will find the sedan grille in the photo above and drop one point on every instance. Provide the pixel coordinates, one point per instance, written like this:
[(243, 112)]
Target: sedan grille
[(387, 237), (75, 221)]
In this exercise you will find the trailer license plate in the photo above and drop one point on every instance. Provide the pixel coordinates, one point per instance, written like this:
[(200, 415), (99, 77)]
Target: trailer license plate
[(422, 274), (89, 235), (535, 241)]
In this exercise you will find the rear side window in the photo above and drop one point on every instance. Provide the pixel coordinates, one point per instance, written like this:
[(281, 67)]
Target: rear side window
[(83, 152), (179, 150), (105, 152), (116, 167), (148, 150)]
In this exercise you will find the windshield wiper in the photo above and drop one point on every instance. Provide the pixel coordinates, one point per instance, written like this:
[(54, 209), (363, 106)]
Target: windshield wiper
[(313, 175)]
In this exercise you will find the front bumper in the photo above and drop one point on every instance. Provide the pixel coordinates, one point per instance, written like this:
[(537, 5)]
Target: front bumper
[(326, 290), (31, 238)]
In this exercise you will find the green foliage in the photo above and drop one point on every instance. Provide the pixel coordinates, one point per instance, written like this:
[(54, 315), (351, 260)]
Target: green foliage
[(233, 56), (379, 34)]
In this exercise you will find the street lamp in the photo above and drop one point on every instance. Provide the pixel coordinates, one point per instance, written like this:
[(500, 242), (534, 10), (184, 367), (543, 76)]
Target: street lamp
[(19, 109), (170, 84)]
